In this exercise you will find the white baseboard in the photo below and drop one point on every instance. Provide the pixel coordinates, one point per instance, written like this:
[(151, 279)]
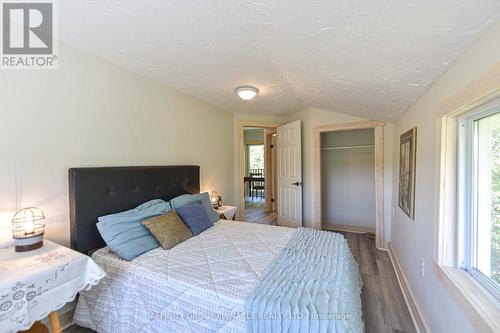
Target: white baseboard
[(416, 314), (348, 228)]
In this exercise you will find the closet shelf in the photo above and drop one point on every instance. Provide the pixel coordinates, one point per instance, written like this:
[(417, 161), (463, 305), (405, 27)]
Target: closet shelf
[(348, 147)]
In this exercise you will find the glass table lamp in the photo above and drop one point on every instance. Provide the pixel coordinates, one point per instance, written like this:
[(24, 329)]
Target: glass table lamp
[(28, 226), (215, 199)]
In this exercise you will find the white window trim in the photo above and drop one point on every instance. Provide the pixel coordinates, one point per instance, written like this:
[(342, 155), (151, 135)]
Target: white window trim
[(467, 188), (477, 302)]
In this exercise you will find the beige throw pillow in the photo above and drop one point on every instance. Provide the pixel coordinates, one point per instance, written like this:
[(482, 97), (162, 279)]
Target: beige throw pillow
[(168, 229)]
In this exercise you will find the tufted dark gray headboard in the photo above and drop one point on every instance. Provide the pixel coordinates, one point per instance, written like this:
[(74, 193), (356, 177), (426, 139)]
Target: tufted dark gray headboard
[(95, 192)]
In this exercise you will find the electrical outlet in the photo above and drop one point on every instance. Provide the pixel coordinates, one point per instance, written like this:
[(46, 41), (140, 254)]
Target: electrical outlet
[(393, 212), (421, 267)]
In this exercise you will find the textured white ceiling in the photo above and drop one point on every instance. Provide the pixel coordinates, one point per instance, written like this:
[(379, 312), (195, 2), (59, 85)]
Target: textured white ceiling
[(371, 58)]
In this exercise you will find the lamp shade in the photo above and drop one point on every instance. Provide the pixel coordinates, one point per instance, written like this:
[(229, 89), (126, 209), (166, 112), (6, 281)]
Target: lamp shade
[(214, 199), (28, 227)]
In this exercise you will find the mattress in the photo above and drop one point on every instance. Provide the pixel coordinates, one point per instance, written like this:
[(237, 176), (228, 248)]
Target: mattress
[(198, 286)]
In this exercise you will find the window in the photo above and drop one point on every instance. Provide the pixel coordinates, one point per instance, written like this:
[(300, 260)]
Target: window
[(479, 196), (256, 159)]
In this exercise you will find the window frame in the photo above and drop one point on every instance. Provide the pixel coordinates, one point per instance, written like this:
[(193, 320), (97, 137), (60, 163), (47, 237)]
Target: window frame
[(467, 193), (476, 301)]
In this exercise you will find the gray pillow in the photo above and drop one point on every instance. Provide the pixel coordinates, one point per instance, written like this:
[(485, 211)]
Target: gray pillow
[(195, 217), (187, 199)]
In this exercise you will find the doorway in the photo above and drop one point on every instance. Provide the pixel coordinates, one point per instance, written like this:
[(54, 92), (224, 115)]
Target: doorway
[(259, 168), (282, 173)]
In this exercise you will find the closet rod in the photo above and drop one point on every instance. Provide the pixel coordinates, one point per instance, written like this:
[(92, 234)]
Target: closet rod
[(348, 147)]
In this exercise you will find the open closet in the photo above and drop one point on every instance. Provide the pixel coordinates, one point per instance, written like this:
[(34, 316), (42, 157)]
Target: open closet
[(348, 189), (348, 180)]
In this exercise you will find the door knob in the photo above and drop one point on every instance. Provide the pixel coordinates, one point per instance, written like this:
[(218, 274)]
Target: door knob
[(297, 183)]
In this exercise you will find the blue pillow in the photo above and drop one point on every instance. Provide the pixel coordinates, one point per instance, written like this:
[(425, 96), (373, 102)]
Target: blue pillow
[(195, 217), (124, 233), (187, 199)]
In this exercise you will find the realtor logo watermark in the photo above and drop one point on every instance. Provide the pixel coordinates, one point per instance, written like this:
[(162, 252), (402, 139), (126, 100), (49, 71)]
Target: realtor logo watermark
[(28, 35)]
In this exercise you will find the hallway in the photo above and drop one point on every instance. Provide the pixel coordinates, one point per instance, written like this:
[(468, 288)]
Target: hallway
[(254, 212)]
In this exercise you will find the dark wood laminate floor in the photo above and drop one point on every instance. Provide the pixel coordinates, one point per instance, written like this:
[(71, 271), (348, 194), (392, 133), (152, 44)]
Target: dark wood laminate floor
[(383, 305), (384, 308)]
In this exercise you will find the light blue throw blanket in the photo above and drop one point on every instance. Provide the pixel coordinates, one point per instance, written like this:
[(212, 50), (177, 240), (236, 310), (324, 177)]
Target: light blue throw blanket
[(312, 286)]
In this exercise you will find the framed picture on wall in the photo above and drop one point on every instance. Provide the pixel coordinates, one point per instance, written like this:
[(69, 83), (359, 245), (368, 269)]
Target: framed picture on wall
[(407, 155)]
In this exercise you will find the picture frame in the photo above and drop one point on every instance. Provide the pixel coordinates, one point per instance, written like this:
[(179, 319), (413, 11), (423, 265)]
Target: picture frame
[(407, 160)]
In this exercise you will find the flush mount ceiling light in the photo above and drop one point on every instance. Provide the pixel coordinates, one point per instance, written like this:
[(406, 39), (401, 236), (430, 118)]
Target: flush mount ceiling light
[(246, 93)]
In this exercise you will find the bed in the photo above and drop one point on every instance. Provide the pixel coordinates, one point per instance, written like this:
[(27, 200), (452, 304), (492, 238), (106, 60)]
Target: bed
[(217, 281)]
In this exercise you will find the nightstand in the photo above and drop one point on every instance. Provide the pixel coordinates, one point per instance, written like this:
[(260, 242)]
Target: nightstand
[(227, 212), (35, 284)]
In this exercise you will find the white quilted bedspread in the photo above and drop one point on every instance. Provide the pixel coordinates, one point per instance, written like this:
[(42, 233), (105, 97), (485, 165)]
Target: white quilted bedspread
[(198, 286)]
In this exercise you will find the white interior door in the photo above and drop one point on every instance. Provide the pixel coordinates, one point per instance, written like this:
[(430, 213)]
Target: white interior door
[(289, 138)]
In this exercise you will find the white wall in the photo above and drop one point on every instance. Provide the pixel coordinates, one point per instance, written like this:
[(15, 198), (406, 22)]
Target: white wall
[(253, 136), (92, 113), (473, 75)]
